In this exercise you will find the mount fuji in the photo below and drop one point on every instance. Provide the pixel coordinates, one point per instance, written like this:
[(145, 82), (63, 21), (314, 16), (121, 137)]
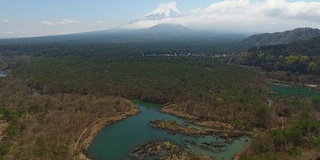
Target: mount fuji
[(167, 10), (164, 13), (157, 26)]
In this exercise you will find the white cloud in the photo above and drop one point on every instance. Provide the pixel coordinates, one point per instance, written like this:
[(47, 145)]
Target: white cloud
[(227, 6), (67, 22), (168, 4), (195, 10), (296, 10), (99, 22), (59, 22), (5, 21), (245, 15), (9, 33), (47, 23)]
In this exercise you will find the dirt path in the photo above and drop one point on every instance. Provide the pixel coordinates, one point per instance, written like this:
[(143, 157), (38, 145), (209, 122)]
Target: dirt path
[(3, 127), (79, 138)]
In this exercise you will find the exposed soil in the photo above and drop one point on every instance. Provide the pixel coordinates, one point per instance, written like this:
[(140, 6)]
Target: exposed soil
[(175, 127), (164, 151), (169, 110)]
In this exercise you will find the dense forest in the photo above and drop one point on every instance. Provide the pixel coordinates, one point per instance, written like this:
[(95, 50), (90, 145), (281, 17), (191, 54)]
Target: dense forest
[(168, 80)]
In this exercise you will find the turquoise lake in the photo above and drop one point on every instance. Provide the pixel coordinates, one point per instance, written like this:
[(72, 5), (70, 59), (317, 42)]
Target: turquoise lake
[(294, 90), (116, 141)]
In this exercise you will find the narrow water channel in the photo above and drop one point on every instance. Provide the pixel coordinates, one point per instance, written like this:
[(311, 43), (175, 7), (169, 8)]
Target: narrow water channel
[(116, 141), (294, 90), (3, 74)]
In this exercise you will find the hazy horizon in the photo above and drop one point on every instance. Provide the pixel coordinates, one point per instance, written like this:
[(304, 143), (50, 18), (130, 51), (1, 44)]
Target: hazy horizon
[(41, 18)]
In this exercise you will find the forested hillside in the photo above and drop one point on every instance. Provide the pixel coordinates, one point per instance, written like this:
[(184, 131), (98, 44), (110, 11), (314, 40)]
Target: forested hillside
[(302, 57), (285, 37)]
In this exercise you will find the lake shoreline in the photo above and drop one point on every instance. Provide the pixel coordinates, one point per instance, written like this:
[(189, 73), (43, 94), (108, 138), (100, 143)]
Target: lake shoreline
[(173, 127), (167, 109), (314, 87), (226, 127), (227, 138), (81, 152), (294, 90)]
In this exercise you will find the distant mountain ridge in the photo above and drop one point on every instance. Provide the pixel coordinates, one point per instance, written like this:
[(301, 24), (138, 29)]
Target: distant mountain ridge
[(160, 32), (167, 28), (285, 37), (309, 47)]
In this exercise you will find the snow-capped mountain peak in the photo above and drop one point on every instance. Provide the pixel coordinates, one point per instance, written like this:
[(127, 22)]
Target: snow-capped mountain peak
[(165, 10)]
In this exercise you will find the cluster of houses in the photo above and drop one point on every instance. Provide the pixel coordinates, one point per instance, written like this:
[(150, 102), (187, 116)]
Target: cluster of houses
[(188, 54)]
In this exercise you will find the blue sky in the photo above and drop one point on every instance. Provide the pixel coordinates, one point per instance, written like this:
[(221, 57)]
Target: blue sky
[(24, 18)]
